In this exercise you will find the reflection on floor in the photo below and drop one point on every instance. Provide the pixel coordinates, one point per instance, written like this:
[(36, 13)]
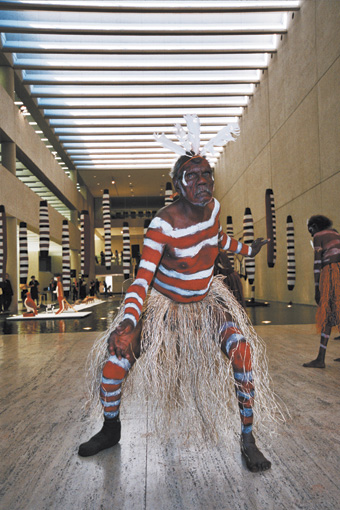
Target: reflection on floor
[(102, 315), (43, 422)]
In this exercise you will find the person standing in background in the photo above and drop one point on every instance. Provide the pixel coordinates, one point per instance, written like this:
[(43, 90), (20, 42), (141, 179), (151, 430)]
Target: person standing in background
[(326, 241), (34, 289)]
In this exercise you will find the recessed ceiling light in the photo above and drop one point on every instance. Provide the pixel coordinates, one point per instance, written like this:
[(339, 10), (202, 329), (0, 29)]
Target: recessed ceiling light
[(266, 322)]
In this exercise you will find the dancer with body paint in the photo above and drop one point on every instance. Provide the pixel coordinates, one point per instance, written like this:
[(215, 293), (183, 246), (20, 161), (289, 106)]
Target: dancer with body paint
[(326, 241), (60, 294), (196, 341)]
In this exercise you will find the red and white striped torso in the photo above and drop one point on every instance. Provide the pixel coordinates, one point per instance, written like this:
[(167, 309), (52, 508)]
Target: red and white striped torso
[(180, 261)]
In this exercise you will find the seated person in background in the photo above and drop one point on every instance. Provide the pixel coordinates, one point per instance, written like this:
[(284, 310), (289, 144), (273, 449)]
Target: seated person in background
[(30, 306)]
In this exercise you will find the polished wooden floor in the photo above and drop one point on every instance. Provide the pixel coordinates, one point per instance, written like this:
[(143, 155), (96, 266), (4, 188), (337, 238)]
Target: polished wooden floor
[(42, 423)]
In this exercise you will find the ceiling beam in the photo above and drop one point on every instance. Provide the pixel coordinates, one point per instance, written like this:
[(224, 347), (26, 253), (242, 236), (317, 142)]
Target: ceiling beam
[(119, 49), (153, 7), (41, 27)]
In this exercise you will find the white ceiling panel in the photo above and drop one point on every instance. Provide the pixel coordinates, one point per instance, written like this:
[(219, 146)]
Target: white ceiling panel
[(101, 77)]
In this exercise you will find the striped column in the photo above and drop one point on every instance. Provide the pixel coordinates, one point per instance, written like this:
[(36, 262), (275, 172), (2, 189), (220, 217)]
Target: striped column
[(23, 253), (3, 243), (248, 238), (44, 229), (291, 269), (168, 194), (146, 226), (271, 227), (126, 250), (107, 228), (66, 261), (85, 243), (230, 232)]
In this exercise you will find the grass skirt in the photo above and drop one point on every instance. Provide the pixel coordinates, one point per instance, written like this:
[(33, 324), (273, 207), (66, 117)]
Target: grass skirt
[(328, 312), (186, 378)]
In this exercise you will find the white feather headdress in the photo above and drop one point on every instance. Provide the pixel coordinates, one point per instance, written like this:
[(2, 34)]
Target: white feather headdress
[(190, 140)]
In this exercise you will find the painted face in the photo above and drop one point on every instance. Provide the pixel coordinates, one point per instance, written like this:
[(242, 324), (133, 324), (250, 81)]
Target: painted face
[(313, 229), (197, 182)]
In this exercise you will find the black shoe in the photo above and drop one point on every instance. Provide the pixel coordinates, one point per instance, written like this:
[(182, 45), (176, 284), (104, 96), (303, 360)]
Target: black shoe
[(106, 438)]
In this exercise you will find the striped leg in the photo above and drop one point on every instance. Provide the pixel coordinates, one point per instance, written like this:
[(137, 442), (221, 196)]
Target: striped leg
[(113, 375), (114, 372), (319, 362), (235, 346)]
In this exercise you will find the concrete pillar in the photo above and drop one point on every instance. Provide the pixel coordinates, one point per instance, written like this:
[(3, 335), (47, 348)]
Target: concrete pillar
[(74, 217), (8, 156), (8, 160), (7, 80), (12, 261)]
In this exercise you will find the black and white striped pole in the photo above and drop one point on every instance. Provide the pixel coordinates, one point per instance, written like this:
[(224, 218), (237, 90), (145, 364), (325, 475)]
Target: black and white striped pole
[(107, 228), (85, 243), (248, 238), (23, 253), (291, 267), (271, 227), (126, 250), (66, 261), (44, 229), (230, 232), (3, 243)]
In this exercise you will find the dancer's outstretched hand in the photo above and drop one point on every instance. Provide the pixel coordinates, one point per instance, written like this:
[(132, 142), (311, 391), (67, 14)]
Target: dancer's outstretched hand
[(120, 338), (257, 245)]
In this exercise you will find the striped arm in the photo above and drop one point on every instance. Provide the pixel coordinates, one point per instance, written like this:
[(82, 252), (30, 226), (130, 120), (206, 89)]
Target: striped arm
[(136, 294), (317, 259), (230, 244)]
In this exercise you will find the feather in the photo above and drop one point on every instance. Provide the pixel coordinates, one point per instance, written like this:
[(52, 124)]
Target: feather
[(182, 137), (168, 144), (224, 136), (194, 129)]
